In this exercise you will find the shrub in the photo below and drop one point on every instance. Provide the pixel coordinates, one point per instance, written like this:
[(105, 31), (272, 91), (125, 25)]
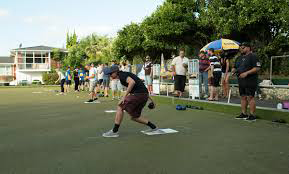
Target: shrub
[(49, 78)]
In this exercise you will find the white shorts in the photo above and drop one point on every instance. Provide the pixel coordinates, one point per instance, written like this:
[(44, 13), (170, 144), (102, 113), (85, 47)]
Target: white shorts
[(116, 85), (92, 85), (148, 80)]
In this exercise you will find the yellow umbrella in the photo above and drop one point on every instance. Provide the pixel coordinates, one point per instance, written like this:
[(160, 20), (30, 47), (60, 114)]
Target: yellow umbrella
[(222, 44)]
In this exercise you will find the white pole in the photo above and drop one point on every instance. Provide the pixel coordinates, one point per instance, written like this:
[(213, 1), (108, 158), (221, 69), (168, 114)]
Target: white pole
[(271, 65)]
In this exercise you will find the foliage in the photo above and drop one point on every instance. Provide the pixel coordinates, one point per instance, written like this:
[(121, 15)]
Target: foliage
[(58, 55), (71, 40), (49, 78)]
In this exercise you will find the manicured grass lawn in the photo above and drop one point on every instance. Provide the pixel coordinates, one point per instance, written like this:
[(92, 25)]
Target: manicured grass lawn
[(42, 133)]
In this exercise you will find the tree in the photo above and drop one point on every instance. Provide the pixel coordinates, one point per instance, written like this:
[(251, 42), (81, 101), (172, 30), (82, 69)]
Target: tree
[(71, 40), (58, 55)]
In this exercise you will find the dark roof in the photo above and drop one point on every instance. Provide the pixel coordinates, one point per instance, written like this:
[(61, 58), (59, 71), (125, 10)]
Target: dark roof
[(4, 59), (38, 48)]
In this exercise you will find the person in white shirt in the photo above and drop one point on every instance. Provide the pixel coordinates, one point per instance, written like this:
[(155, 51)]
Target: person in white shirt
[(116, 86), (92, 83), (61, 79), (180, 68), (99, 71)]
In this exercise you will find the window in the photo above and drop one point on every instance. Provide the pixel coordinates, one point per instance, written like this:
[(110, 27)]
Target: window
[(38, 60), (29, 54), (5, 70)]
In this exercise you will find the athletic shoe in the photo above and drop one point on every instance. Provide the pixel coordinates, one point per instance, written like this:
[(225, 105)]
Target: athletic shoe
[(95, 99), (90, 101), (206, 96), (149, 130), (110, 134), (242, 116), (251, 118)]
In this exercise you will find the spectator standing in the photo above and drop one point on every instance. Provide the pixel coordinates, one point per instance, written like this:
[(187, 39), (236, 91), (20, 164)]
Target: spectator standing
[(68, 79), (246, 68), (179, 68), (148, 74), (116, 86), (106, 79), (81, 74), (226, 73), (76, 79), (204, 66), (216, 70), (92, 83)]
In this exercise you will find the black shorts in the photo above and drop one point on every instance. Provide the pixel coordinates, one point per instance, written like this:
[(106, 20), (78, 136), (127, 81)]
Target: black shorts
[(217, 78), (247, 87), (180, 83), (68, 82), (100, 81)]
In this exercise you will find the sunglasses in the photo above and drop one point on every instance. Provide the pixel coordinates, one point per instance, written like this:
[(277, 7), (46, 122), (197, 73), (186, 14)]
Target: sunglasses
[(242, 47)]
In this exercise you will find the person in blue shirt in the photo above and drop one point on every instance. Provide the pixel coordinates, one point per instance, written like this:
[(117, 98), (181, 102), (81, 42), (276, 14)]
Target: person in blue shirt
[(68, 78), (81, 74)]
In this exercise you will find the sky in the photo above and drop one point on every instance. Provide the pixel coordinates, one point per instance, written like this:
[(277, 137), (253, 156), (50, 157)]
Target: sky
[(38, 22)]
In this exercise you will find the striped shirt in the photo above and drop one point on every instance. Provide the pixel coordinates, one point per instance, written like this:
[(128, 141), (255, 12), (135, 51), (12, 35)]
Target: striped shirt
[(215, 62)]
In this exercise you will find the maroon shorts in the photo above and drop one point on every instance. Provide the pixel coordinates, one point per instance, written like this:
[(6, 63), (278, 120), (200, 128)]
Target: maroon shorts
[(134, 103)]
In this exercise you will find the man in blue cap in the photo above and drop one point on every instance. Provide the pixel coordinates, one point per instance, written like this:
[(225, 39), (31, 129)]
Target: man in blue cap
[(133, 101)]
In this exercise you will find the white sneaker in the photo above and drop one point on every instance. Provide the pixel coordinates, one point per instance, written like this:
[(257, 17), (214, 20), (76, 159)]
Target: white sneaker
[(110, 134), (206, 96), (150, 130)]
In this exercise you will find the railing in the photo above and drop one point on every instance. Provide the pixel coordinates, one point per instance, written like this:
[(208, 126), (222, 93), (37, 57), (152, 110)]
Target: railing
[(5, 79), (33, 66)]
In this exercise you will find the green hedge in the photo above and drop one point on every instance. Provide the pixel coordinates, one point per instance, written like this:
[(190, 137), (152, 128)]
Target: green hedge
[(49, 78)]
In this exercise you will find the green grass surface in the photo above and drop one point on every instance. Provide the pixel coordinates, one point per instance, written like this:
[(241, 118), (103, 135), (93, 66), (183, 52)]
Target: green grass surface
[(233, 110), (44, 133)]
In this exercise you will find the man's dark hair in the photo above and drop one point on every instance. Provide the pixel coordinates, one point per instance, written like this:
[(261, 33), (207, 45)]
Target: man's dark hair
[(183, 49), (202, 52), (106, 64), (212, 49)]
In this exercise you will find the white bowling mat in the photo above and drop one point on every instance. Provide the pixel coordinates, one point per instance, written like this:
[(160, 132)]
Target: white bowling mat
[(161, 131), (110, 111)]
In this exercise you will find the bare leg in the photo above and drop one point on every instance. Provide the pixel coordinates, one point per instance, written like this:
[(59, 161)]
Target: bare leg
[(212, 90), (141, 120), (106, 91), (224, 87), (92, 94), (118, 116), (216, 93), (227, 85), (244, 104), (252, 104)]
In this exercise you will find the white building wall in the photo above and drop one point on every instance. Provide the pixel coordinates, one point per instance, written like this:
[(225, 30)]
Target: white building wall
[(29, 76)]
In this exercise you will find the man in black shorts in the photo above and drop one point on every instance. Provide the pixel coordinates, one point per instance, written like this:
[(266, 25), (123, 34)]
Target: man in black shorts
[(133, 102), (180, 68), (246, 68), (216, 70)]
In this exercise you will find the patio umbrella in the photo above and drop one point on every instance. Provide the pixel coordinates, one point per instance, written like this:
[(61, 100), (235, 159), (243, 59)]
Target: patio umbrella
[(222, 44)]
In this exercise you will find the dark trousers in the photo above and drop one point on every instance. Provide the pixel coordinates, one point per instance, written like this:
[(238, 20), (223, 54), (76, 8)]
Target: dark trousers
[(62, 85), (76, 84)]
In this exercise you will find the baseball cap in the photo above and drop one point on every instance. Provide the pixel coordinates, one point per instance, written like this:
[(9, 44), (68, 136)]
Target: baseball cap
[(111, 70), (245, 44)]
